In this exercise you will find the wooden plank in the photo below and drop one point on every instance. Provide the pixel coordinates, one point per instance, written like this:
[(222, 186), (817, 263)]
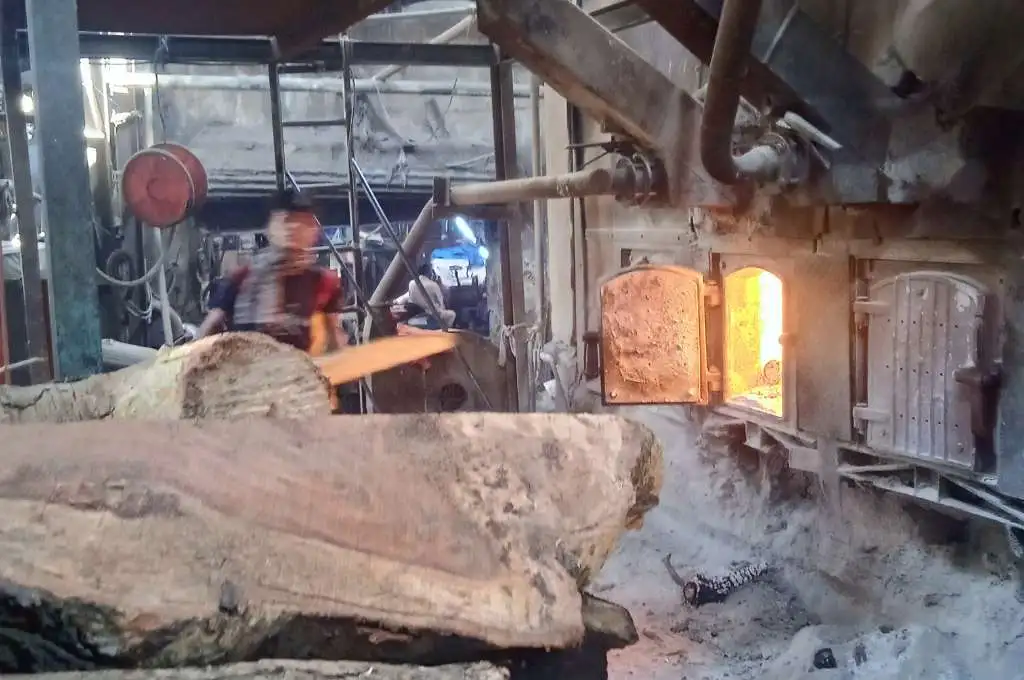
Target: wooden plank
[(353, 363), (177, 543)]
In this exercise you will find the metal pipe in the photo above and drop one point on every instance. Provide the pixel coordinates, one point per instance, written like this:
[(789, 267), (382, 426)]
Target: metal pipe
[(276, 124), (117, 354), (420, 13), (434, 312), (411, 246), (729, 58), (465, 24), (36, 318), (162, 294), (592, 182), (539, 221), (7, 368), (348, 107), (243, 83)]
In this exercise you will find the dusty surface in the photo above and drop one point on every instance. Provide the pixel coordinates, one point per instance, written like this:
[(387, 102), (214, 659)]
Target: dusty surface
[(464, 524), (295, 670), (896, 594)]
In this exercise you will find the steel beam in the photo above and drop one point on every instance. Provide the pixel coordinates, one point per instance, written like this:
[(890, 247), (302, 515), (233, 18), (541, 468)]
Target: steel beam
[(598, 72), (793, 64), (510, 235), (327, 54), (36, 318), (618, 16), (67, 198), (277, 126), (329, 16)]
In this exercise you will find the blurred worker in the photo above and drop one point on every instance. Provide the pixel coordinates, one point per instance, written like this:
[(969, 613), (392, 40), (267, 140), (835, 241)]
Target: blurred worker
[(415, 299), (283, 292)]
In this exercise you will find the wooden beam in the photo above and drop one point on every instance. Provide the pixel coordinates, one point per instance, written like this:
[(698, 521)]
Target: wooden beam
[(595, 70), (176, 543)]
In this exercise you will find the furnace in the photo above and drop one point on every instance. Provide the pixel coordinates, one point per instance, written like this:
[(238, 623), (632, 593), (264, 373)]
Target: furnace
[(675, 335), (753, 310)]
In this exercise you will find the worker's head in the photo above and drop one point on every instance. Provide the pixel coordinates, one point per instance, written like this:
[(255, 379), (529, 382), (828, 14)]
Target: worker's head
[(426, 269), (293, 224)]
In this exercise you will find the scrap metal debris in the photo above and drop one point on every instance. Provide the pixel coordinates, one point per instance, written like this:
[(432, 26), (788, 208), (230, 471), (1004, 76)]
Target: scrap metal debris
[(825, 658), (703, 589)]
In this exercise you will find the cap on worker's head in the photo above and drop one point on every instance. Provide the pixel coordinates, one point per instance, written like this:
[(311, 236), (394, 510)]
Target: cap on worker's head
[(292, 200)]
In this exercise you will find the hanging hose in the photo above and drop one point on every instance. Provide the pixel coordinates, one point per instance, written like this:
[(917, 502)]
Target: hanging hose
[(142, 280)]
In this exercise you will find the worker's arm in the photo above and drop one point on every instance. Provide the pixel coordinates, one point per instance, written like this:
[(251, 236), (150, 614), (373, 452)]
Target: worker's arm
[(333, 301), (213, 323), (221, 305)]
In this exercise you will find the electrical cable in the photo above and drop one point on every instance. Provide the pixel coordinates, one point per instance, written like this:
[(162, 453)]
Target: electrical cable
[(145, 278)]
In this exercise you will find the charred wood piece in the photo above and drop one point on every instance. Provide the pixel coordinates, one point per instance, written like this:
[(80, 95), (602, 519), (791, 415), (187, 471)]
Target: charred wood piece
[(702, 589)]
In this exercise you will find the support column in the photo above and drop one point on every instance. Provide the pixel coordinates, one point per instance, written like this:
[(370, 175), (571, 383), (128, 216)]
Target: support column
[(67, 198), (277, 126), (36, 318), (510, 235)]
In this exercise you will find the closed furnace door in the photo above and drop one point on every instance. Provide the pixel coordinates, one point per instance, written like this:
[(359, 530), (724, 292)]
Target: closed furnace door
[(922, 328), (653, 344)]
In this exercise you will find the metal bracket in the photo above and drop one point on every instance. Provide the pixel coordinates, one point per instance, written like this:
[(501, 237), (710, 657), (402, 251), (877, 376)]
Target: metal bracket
[(712, 294)]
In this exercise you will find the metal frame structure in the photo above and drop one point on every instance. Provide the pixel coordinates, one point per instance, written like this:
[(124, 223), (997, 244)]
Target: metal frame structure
[(349, 54), (329, 55)]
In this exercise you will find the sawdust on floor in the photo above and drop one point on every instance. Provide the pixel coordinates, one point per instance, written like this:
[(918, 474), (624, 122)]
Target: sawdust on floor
[(895, 592)]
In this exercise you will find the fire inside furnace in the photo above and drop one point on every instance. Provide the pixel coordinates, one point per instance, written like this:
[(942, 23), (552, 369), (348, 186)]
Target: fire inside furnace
[(753, 340)]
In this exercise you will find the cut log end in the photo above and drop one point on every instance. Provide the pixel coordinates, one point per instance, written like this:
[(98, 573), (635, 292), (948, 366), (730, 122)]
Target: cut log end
[(223, 376)]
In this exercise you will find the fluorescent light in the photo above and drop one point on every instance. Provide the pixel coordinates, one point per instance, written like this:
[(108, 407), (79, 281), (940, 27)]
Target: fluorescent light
[(484, 253), (28, 106), (463, 226)]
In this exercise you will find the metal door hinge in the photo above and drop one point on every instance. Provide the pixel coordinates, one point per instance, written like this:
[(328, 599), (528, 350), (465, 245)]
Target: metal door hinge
[(714, 379), (712, 294)]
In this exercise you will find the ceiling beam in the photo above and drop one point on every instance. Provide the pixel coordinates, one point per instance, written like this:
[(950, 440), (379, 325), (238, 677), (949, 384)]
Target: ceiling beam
[(330, 17), (595, 70), (795, 65)]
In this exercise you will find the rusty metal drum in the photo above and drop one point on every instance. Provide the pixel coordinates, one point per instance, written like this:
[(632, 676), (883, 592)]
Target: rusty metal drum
[(163, 184)]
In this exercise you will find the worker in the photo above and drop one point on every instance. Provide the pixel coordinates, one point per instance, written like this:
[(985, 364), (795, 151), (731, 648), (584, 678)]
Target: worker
[(283, 292), (414, 297)]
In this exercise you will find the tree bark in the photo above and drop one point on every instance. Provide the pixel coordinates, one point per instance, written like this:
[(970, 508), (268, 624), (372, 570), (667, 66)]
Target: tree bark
[(223, 376), (169, 544), (296, 670)]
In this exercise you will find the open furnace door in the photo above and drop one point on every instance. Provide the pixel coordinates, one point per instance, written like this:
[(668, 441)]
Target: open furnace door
[(654, 337)]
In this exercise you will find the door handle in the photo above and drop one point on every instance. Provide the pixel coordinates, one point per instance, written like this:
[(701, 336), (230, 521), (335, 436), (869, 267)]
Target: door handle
[(981, 386)]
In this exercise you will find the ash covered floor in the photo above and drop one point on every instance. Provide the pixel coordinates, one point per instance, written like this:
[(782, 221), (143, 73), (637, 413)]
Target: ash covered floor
[(894, 592)]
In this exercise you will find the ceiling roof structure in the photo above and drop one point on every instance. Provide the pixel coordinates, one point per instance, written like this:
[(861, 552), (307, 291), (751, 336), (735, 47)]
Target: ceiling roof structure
[(298, 25)]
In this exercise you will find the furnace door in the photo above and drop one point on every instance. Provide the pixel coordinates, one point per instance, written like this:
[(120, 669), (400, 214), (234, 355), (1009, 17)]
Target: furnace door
[(924, 334), (654, 337)]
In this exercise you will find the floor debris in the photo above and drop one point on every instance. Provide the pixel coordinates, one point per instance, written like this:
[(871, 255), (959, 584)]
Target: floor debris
[(865, 582)]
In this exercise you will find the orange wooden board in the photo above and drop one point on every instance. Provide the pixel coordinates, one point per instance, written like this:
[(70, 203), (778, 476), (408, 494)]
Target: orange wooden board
[(360, 361)]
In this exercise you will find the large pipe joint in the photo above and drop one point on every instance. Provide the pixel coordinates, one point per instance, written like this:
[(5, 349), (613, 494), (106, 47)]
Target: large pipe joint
[(778, 158), (641, 179)]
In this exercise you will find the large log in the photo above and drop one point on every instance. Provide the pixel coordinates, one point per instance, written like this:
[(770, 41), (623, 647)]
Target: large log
[(172, 543), (223, 376), (294, 670)]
